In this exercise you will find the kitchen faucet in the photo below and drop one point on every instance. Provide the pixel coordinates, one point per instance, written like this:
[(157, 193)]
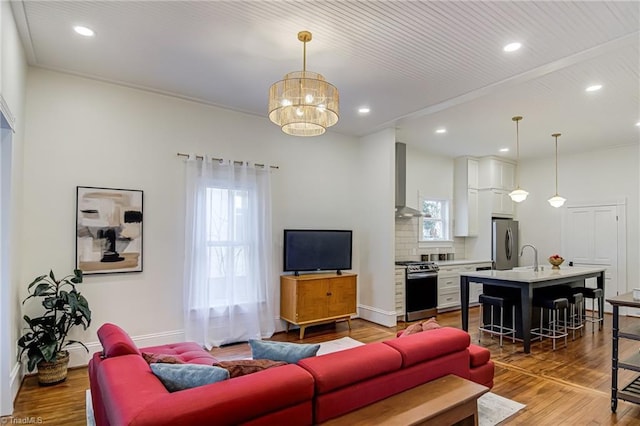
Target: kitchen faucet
[(535, 259)]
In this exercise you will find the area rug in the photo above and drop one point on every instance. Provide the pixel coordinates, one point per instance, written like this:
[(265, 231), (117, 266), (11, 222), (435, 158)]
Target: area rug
[(338, 345), (492, 408)]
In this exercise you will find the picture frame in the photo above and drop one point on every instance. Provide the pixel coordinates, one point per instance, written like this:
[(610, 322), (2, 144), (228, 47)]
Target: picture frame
[(109, 225)]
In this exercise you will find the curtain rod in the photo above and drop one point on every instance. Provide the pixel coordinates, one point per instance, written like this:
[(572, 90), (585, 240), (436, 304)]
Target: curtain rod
[(201, 157)]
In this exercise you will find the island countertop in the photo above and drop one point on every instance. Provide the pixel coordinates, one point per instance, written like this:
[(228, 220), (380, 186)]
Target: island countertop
[(531, 276), (525, 281)]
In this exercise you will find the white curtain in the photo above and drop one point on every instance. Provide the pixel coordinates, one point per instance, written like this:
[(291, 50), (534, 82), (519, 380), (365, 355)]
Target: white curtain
[(229, 288)]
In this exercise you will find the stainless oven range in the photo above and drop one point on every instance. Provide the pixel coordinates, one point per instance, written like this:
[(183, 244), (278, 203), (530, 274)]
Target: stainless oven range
[(421, 290)]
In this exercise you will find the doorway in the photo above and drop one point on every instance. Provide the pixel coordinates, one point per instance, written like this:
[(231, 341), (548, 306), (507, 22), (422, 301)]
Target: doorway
[(594, 234), (6, 324)]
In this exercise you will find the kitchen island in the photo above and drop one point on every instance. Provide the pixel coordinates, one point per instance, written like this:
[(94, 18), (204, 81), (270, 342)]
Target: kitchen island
[(526, 280)]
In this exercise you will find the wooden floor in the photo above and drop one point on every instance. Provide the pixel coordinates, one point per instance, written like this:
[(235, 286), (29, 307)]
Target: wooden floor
[(570, 386)]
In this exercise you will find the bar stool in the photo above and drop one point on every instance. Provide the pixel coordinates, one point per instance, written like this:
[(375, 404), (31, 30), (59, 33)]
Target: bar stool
[(576, 307), (596, 295), (554, 329), (576, 314), (492, 328)]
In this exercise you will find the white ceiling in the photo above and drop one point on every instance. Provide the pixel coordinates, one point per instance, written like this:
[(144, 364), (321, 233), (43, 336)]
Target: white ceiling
[(419, 65)]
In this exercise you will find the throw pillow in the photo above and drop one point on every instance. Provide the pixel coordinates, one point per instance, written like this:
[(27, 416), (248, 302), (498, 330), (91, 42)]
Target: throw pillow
[(242, 367), (282, 351), (176, 377), (412, 329), (161, 358), (430, 324)]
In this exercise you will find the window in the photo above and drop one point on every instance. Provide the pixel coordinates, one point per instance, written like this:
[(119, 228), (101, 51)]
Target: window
[(229, 285), (435, 223), (228, 246)]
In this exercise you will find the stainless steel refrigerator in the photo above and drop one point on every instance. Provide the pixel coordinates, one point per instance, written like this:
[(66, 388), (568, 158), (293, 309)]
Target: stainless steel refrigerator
[(504, 238)]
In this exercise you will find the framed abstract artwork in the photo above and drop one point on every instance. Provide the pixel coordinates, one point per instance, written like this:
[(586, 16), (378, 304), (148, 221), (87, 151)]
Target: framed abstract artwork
[(108, 230)]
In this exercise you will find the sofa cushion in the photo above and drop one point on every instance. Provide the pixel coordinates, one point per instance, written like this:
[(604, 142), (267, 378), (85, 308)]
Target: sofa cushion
[(188, 352), (344, 368), (282, 351), (176, 377), (421, 347), (479, 355), (242, 367), (115, 341), (265, 398)]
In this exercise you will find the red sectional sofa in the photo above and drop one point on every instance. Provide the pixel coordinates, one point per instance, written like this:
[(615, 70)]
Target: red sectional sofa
[(316, 389)]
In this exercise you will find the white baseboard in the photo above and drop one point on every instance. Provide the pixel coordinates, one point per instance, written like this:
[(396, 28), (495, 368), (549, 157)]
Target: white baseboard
[(15, 380), (78, 357), (377, 315)]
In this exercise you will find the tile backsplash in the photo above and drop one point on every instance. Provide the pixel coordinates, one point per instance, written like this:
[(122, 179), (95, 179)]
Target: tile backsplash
[(407, 245)]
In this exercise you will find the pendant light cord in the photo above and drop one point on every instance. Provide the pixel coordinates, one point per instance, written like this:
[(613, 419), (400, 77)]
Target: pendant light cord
[(517, 119), (556, 165), (556, 136), (517, 142), (304, 37), (304, 56)]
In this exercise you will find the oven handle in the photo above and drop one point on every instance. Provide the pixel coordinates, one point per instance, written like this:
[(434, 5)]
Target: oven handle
[(418, 275)]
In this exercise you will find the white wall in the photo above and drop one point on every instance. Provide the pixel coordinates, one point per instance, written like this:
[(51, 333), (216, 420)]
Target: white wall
[(604, 175), (13, 69), (375, 197), (428, 175), (89, 133)]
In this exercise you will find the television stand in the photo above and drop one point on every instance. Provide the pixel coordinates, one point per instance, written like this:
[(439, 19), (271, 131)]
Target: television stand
[(314, 299)]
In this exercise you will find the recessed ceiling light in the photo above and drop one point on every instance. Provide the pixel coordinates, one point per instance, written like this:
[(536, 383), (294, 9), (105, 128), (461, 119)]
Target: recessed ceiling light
[(84, 31), (638, 124), (512, 47), (441, 130), (364, 110), (594, 88), (504, 149)]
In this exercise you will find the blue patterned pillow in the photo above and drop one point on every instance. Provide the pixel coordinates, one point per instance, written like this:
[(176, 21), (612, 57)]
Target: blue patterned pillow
[(177, 377), (282, 351)]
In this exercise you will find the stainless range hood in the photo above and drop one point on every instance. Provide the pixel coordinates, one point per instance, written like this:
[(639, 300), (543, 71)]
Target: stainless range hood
[(402, 210)]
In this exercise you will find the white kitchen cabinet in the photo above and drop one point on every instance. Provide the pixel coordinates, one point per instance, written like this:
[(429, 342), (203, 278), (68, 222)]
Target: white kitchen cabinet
[(400, 287), (501, 203), (449, 285), (496, 173), (466, 197)]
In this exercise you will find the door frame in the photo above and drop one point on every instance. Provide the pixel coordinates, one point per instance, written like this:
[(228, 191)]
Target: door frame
[(621, 225)]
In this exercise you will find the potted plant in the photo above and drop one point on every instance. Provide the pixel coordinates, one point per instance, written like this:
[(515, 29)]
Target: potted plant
[(46, 335)]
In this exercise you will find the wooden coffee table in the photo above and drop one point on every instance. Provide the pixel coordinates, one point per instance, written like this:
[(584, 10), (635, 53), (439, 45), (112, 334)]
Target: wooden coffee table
[(446, 401)]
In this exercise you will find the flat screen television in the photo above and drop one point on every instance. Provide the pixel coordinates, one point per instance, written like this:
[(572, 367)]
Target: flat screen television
[(317, 250)]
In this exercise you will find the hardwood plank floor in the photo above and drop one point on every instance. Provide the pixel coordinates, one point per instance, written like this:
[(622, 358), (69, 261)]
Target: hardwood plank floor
[(570, 386)]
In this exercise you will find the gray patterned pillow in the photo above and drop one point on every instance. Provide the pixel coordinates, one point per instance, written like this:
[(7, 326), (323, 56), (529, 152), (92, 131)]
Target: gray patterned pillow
[(176, 377), (282, 351)]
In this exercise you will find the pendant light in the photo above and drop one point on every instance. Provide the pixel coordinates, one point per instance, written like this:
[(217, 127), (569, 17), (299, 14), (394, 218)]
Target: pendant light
[(518, 195), (556, 201), (303, 103)]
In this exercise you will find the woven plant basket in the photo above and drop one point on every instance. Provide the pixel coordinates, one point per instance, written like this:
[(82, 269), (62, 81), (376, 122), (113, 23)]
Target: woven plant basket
[(54, 372)]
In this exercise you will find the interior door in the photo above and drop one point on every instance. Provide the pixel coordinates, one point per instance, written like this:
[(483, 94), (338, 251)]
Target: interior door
[(591, 238)]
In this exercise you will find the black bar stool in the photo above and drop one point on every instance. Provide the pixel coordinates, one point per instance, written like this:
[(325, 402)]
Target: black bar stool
[(554, 329), (492, 328), (576, 314), (596, 315)]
